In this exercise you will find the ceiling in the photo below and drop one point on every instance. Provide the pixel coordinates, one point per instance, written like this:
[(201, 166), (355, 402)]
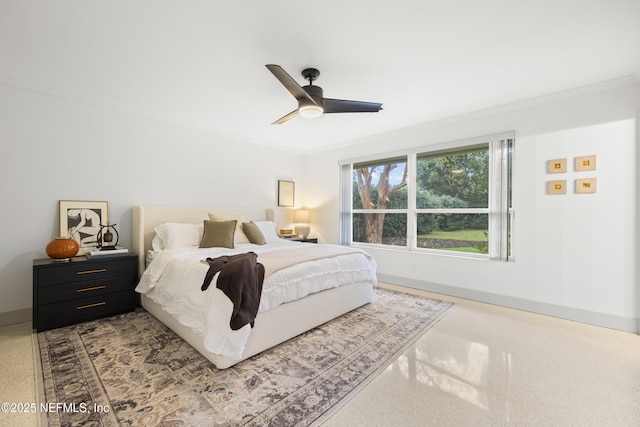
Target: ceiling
[(202, 63)]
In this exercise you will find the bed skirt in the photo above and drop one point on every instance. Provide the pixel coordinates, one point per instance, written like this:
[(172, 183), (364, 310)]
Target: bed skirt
[(279, 324)]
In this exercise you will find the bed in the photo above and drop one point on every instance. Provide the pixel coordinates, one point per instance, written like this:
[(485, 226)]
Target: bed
[(322, 288)]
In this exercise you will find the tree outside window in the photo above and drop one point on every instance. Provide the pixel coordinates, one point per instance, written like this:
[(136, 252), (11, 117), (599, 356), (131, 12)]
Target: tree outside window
[(379, 189)]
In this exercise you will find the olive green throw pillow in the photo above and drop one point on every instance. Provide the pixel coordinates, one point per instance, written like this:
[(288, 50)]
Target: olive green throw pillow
[(253, 233), (218, 234)]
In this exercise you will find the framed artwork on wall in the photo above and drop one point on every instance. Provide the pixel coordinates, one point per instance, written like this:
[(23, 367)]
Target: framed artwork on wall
[(557, 187), (585, 163), (557, 165), (286, 193), (81, 220)]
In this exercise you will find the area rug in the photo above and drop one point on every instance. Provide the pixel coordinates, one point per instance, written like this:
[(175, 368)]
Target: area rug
[(131, 370)]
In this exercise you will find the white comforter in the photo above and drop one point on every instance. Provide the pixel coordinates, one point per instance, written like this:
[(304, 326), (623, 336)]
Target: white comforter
[(174, 277)]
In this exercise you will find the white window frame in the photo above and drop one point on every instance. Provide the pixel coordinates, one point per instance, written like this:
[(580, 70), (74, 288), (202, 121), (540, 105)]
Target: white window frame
[(500, 211)]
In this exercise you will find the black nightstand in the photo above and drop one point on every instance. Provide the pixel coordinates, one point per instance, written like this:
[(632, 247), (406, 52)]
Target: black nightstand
[(65, 293), (296, 239)]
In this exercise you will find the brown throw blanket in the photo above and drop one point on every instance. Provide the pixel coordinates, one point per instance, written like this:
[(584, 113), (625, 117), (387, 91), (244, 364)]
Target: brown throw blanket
[(240, 279)]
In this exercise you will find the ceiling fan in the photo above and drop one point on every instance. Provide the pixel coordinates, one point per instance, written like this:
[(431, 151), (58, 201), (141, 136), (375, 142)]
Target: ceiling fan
[(310, 100)]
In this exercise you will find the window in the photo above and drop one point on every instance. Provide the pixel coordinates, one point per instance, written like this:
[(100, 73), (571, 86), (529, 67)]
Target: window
[(380, 202), (452, 200), (453, 197)]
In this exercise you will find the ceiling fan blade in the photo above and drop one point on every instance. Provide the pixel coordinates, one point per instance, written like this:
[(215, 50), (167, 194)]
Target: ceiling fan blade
[(288, 82), (288, 117), (346, 106)]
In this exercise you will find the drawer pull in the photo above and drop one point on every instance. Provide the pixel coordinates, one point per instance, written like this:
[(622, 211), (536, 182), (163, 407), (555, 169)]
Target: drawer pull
[(82, 307), (101, 270), (94, 288)]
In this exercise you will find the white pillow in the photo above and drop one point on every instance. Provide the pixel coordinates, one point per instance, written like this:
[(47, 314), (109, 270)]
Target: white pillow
[(268, 229), (179, 235), (156, 243), (238, 236)]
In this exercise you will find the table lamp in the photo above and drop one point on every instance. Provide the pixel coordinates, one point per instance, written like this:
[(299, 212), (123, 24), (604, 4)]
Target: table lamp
[(301, 218)]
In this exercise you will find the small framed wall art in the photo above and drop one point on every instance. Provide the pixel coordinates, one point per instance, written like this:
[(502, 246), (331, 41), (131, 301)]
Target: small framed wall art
[(286, 193), (557, 186), (81, 220), (585, 163), (586, 185), (557, 165)]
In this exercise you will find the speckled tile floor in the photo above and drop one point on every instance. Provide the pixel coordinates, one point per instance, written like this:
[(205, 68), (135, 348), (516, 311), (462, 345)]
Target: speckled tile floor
[(484, 365), (481, 365), (17, 378)]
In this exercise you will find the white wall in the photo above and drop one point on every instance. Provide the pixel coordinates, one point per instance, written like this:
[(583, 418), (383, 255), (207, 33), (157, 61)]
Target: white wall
[(575, 254), (55, 148)]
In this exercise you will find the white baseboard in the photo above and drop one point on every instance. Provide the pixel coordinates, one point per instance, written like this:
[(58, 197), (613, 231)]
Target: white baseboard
[(608, 321), (16, 316)]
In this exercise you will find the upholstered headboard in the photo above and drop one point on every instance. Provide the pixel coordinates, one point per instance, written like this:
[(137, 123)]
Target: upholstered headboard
[(145, 219)]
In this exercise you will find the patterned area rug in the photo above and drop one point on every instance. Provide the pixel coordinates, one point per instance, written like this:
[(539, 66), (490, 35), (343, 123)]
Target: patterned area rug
[(131, 370)]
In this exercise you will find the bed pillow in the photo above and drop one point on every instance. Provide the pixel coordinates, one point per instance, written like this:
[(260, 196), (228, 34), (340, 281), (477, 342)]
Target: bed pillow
[(218, 234), (268, 229), (239, 236), (253, 233), (156, 243), (178, 235)]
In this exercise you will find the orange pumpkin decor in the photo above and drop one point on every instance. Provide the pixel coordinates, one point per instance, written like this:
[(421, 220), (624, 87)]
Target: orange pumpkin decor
[(62, 248)]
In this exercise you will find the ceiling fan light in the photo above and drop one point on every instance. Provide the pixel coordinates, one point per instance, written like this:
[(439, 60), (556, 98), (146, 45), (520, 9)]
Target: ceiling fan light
[(310, 111)]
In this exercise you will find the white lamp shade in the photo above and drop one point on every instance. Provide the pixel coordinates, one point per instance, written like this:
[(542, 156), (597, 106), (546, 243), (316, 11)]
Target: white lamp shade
[(301, 216)]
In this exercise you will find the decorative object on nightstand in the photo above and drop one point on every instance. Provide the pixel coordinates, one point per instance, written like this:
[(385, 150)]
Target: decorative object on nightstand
[(105, 239), (81, 220), (286, 233), (302, 218), (97, 253), (82, 289), (62, 248)]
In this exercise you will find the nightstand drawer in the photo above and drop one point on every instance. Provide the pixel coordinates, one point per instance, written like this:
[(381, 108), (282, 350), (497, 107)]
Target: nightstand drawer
[(84, 289), (87, 270), (81, 309)]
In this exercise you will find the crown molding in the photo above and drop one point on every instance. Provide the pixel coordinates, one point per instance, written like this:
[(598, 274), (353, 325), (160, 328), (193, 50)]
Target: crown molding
[(625, 81), (601, 87), (123, 109)]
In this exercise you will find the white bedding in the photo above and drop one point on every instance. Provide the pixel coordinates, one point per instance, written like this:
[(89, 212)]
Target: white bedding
[(174, 277)]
